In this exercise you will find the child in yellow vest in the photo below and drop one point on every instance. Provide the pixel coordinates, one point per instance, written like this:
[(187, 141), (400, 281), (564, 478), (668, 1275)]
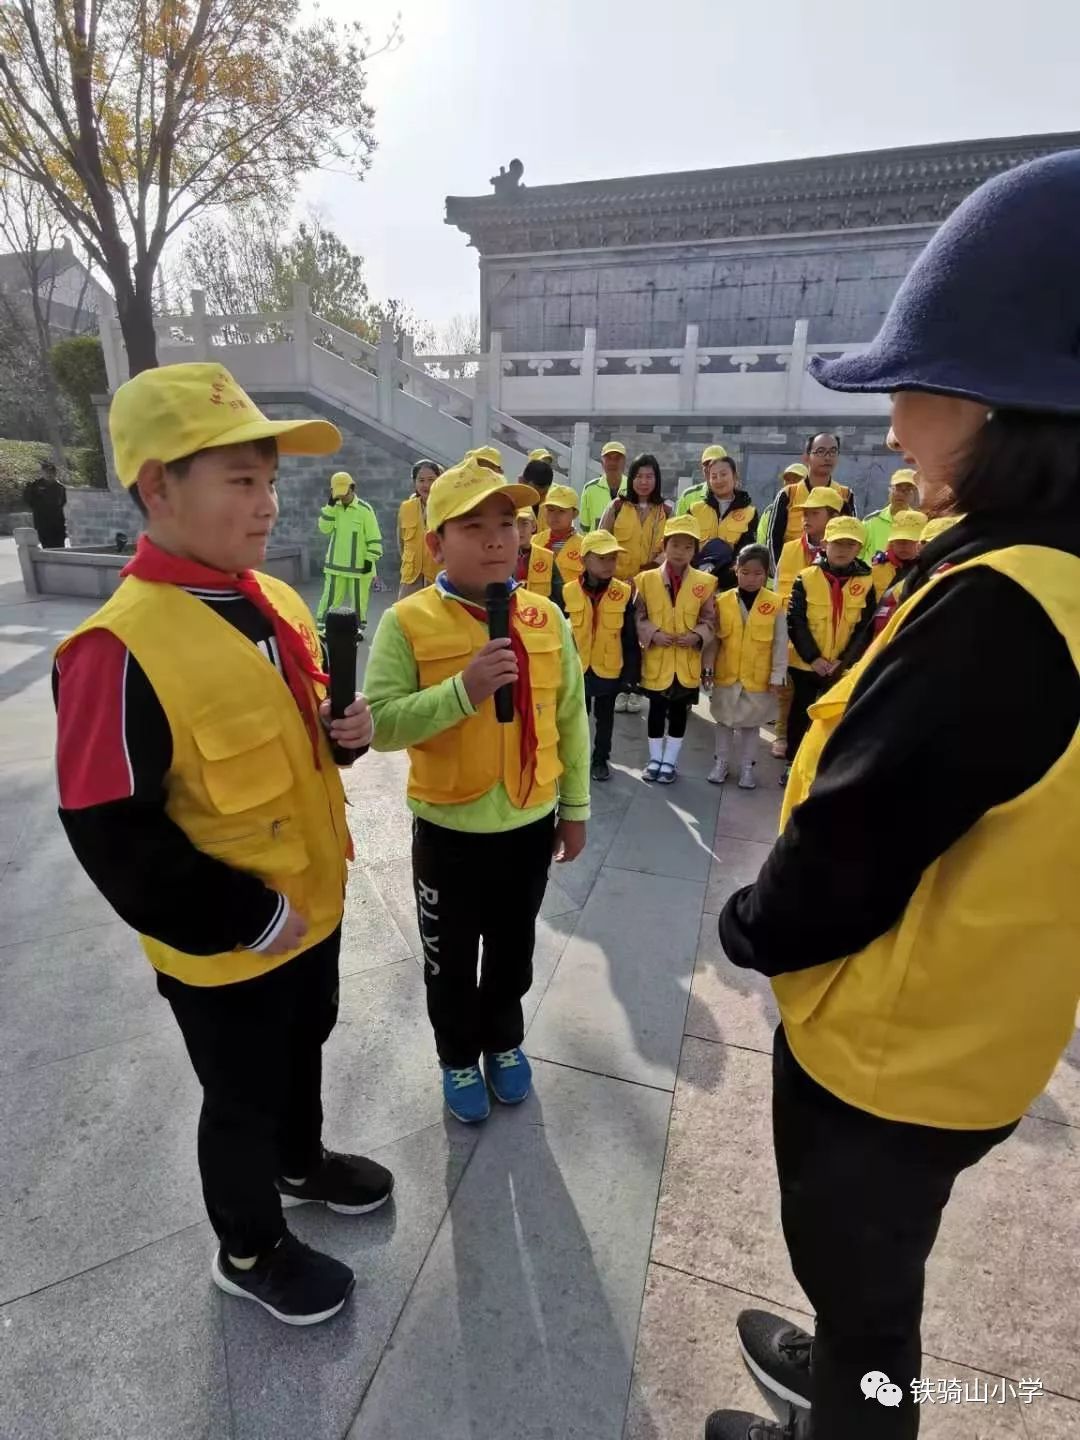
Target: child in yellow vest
[(526, 528), (556, 547), (751, 664), (200, 793), (601, 613), (890, 567), (417, 566), (675, 620), (830, 622), (492, 801)]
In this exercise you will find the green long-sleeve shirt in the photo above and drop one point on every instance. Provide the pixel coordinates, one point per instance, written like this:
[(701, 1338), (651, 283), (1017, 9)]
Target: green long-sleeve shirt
[(595, 499), (406, 715), (355, 542)]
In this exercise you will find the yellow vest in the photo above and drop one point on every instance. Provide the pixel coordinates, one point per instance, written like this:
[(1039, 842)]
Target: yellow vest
[(793, 561), (542, 560), (469, 759), (598, 628), (957, 1016), (881, 576), (797, 495), (745, 653), (416, 559), (830, 637), (662, 664), (731, 528), (642, 543), (243, 785)]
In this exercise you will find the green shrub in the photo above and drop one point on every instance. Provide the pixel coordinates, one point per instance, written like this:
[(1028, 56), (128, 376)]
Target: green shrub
[(79, 367), (20, 462)]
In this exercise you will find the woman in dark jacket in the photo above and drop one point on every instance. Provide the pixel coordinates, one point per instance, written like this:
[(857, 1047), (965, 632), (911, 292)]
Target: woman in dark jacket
[(921, 1021)]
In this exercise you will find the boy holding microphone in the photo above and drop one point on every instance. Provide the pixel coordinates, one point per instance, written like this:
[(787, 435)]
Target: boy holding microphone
[(199, 792), (496, 790)]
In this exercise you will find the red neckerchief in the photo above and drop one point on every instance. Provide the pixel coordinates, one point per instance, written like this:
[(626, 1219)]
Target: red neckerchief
[(810, 550), (152, 563), (836, 595), (594, 597), (675, 581), (522, 571), (893, 559), (522, 693)]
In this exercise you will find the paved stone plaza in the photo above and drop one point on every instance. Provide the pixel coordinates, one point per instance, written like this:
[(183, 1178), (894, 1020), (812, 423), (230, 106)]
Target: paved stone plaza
[(571, 1271)]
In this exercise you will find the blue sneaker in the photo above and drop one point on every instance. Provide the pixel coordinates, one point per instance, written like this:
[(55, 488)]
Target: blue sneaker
[(466, 1094), (510, 1076)]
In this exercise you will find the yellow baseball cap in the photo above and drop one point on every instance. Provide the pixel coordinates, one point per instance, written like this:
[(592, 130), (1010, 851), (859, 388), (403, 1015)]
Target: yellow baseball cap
[(840, 527), (526, 513), (682, 525), (340, 485), (933, 528), (799, 470), (563, 497), (614, 447), (542, 455), (463, 487), (822, 497), (713, 452), (907, 525), (903, 477), (601, 542), (174, 411), (488, 453)]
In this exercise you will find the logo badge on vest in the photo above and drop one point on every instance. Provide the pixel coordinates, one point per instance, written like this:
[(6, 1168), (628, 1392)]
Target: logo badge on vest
[(699, 591), (531, 616), (766, 608), (539, 565), (856, 588)]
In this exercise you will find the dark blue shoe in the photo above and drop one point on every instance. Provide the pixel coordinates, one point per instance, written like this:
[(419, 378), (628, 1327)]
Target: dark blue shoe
[(466, 1094), (510, 1076)]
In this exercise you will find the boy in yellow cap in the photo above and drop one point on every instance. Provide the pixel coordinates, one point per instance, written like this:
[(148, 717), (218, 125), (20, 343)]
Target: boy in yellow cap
[(601, 614), (676, 618), (200, 793), (544, 455), (819, 507), (599, 493), (493, 801), (892, 566), (694, 494), (903, 495), (556, 547), (526, 528), (830, 622), (352, 551)]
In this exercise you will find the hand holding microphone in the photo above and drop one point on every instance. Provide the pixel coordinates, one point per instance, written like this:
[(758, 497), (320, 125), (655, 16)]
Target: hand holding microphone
[(350, 719)]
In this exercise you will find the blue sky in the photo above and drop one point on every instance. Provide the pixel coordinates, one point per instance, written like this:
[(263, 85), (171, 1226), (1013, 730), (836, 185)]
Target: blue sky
[(582, 89)]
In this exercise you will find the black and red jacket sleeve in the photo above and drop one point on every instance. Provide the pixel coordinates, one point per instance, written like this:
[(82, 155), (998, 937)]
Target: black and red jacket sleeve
[(113, 752)]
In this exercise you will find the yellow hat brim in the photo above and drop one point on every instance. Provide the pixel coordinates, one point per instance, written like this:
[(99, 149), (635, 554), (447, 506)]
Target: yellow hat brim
[(294, 437), (601, 548), (519, 496)]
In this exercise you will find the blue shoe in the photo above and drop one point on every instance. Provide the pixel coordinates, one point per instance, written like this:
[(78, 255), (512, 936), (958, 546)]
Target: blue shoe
[(466, 1094), (510, 1076)]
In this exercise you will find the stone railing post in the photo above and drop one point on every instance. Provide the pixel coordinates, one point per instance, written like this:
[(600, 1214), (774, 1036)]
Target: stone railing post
[(26, 540), (385, 363), (481, 404), (796, 370), (579, 452), (495, 375), (688, 369), (301, 330), (588, 369), (200, 349), (408, 354)]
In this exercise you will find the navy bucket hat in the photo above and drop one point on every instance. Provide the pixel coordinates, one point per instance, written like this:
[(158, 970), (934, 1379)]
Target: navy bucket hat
[(990, 311)]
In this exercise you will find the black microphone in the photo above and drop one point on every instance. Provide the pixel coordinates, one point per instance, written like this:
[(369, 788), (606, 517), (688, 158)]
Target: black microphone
[(498, 609), (342, 630)]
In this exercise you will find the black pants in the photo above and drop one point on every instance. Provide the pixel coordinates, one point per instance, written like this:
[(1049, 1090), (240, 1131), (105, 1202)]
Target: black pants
[(604, 708), (669, 715), (257, 1049), (861, 1201), (807, 686), (477, 899)]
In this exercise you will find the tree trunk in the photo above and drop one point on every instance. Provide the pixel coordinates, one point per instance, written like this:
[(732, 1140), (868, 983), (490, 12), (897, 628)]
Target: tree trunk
[(136, 316)]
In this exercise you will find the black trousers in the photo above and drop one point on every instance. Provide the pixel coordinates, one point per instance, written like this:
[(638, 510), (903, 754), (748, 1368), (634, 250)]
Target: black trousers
[(603, 706), (257, 1049), (861, 1201), (667, 714), (477, 899), (806, 686)]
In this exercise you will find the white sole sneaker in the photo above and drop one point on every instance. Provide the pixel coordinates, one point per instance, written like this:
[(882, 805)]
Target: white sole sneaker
[(289, 1202), (774, 1387), (222, 1281)]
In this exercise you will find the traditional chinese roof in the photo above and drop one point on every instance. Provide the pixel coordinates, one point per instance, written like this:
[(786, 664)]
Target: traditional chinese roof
[(915, 185)]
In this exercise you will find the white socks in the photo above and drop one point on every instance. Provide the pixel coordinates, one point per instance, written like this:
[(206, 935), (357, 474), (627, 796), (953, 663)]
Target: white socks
[(656, 749), (671, 750)]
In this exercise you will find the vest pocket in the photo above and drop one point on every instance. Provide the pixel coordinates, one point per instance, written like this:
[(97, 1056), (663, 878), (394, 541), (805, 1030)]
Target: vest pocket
[(243, 760)]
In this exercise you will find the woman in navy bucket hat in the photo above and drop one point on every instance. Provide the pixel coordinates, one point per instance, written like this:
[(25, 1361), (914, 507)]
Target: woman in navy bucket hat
[(928, 1009)]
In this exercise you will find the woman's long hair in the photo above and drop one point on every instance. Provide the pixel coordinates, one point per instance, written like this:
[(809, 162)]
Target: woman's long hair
[(642, 462), (1024, 464)]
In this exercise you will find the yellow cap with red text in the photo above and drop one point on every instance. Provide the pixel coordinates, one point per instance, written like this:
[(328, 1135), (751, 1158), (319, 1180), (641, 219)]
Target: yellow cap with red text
[(845, 527), (461, 489), (563, 497), (907, 525), (682, 525), (601, 542)]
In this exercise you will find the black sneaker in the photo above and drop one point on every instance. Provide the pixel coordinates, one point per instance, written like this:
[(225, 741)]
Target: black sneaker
[(777, 1354), (741, 1425), (298, 1285), (601, 770), (349, 1184)]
